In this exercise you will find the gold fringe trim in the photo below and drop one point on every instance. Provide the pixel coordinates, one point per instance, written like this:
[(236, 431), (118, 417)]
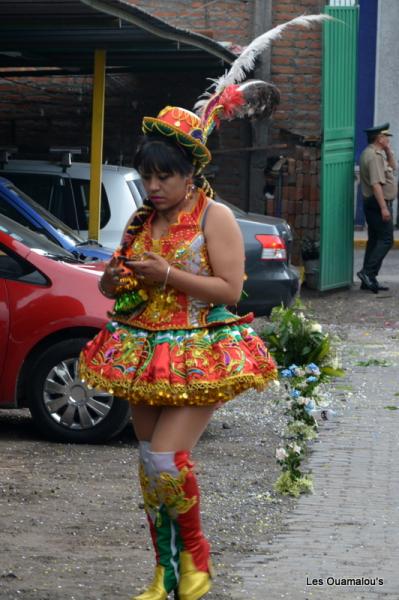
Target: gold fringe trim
[(165, 394)]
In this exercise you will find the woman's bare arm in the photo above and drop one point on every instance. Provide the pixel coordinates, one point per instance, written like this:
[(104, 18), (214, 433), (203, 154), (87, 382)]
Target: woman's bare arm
[(226, 255)]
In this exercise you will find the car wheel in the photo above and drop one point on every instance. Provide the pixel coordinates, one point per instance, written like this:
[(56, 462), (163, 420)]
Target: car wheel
[(64, 408)]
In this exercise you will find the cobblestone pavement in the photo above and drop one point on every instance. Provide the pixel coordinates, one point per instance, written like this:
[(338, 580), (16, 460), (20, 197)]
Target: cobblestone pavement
[(341, 542)]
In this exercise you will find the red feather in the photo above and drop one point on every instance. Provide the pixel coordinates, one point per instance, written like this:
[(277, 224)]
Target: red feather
[(231, 99)]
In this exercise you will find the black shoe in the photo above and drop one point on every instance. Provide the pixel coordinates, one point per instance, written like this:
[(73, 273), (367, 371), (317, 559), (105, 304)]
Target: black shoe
[(381, 288), (367, 282)]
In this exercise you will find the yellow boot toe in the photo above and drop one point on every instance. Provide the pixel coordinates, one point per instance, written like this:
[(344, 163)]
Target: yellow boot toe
[(156, 591)]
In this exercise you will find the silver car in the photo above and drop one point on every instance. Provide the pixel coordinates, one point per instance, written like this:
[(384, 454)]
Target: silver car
[(271, 279)]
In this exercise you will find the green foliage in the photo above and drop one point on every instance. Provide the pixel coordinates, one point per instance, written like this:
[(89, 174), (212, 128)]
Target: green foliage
[(293, 338), (306, 357), (373, 362), (302, 431), (288, 485)]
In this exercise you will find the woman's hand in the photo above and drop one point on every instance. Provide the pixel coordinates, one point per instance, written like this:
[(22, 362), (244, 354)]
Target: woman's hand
[(152, 268), (110, 279)]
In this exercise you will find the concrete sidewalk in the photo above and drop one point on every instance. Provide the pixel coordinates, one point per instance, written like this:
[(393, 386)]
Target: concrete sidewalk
[(342, 541), (360, 238)]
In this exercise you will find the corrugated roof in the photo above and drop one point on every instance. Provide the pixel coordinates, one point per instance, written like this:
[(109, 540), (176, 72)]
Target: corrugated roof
[(65, 33)]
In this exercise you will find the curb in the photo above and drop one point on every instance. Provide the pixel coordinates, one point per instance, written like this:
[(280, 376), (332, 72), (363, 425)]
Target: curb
[(362, 244)]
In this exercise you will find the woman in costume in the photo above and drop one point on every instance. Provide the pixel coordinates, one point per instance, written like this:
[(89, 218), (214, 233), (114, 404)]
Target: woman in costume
[(172, 348)]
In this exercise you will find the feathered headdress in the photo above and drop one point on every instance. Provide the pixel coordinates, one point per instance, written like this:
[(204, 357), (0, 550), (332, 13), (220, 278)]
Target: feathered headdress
[(229, 98)]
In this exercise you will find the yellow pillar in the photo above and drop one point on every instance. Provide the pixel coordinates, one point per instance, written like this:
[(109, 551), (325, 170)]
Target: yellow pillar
[(97, 135)]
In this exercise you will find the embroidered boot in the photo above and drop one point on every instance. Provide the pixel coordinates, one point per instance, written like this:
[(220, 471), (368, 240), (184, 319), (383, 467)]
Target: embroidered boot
[(162, 531), (179, 492)]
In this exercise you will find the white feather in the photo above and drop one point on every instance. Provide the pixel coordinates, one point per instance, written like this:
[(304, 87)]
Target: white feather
[(246, 61)]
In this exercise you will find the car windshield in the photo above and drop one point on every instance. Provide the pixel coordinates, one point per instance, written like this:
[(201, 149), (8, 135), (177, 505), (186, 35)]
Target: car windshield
[(135, 186), (35, 241), (62, 229)]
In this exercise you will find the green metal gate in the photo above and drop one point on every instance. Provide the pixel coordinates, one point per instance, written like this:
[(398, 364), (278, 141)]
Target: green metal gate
[(338, 125)]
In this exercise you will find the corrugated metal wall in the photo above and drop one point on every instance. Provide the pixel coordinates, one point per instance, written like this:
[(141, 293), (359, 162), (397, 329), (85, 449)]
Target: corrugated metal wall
[(338, 116)]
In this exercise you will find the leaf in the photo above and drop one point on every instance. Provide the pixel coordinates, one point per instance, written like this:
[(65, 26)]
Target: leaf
[(331, 372), (373, 362), (391, 407)]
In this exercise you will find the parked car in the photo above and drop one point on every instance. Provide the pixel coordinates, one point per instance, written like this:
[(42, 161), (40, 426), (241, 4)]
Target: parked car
[(50, 307), (65, 193), (17, 205), (271, 279)]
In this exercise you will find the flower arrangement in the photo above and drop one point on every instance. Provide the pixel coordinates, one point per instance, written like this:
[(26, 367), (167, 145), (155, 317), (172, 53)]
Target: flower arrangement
[(307, 358)]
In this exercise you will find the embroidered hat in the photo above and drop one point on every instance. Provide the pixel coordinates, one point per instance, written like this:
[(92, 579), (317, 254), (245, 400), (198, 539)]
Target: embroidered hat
[(185, 128)]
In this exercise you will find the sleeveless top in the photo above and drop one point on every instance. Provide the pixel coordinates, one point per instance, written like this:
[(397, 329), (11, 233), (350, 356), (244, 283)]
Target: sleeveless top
[(184, 248)]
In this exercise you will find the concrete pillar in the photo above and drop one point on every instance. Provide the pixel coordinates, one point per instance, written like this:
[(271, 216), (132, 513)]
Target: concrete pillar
[(262, 21), (387, 68)]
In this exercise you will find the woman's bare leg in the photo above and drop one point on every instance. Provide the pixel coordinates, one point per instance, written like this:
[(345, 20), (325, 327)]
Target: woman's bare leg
[(170, 429), (144, 419), (180, 428)]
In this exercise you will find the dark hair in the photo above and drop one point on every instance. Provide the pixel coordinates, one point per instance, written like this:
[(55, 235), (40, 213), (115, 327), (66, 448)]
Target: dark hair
[(371, 137), (155, 154), (158, 154)]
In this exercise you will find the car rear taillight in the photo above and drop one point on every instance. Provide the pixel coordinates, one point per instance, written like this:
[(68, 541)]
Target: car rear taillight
[(273, 247)]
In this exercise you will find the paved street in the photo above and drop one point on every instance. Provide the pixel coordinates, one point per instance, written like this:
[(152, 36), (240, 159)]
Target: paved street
[(74, 512), (341, 542)]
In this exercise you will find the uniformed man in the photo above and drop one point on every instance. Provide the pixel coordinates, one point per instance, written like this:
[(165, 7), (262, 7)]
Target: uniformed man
[(379, 189)]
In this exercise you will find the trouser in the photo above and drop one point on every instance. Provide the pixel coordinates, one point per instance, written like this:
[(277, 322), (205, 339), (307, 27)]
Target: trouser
[(380, 236)]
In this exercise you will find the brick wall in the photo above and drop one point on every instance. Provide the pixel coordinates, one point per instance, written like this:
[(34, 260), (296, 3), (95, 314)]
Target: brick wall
[(296, 70), (296, 195), (223, 20), (36, 113)]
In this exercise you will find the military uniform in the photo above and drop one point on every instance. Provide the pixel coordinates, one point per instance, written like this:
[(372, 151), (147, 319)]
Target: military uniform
[(374, 169)]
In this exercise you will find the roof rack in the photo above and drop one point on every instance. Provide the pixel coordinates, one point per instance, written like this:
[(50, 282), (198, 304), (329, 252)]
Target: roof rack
[(66, 155), (5, 153)]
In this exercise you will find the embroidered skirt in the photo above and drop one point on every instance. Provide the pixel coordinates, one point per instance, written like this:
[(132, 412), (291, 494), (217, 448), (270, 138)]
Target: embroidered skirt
[(177, 367)]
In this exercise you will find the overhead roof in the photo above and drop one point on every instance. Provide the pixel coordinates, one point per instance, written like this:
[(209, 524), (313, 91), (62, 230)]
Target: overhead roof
[(65, 33)]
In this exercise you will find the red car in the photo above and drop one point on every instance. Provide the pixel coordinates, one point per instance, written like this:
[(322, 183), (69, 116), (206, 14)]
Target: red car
[(49, 307)]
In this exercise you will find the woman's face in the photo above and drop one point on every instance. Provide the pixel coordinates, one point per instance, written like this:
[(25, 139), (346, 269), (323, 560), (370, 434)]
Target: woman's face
[(165, 190)]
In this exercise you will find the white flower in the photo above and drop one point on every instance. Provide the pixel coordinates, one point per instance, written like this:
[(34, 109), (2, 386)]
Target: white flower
[(302, 400), (315, 327), (296, 448), (281, 454), (335, 363), (275, 384)]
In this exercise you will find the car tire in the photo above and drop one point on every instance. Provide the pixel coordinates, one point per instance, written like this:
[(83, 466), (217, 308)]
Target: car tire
[(63, 408)]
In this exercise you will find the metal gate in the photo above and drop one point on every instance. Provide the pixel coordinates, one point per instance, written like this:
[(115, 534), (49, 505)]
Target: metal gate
[(338, 125)]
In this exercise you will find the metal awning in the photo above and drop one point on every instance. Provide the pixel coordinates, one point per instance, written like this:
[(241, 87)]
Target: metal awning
[(53, 37), (64, 34)]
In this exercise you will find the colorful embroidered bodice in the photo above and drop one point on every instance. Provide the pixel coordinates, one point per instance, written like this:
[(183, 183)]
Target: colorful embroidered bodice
[(183, 247)]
